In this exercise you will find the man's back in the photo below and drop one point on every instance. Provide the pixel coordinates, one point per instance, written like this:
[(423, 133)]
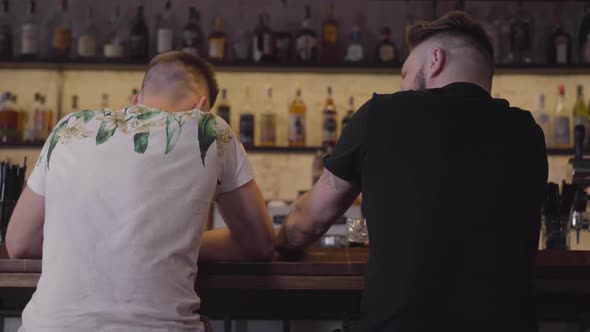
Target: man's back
[(127, 195), (452, 184)]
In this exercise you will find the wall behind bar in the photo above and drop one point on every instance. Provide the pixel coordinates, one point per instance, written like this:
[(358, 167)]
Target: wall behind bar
[(280, 175)]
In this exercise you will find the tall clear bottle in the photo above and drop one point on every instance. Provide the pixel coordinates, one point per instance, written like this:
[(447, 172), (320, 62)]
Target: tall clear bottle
[(87, 37), (114, 46), (268, 122), (165, 30), (561, 122), (29, 46), (543, 119), (297, 111)]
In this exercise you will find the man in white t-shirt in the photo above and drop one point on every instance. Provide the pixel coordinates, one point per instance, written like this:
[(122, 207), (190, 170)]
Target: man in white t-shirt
[(117, 203)]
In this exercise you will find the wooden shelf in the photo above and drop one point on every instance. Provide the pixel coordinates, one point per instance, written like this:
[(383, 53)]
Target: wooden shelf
[(103, 65)]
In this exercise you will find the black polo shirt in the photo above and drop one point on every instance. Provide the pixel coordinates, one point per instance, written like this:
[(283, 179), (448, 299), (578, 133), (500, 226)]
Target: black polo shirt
[(452, 184)]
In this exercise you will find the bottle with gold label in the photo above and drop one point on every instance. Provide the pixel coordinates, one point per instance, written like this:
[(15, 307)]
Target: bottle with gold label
[(329, 123), (297, 112), (268, 122), (386, 52), (330, 44), (62, 32), (218, 43)]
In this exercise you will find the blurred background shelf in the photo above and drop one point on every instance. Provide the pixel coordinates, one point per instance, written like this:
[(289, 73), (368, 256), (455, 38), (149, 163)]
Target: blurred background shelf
[(102, 65)]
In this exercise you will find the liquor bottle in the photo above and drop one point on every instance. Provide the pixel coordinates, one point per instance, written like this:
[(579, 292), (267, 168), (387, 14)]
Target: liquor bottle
[(580, 110), (498, 28), (560, 45), (330, 44), (138, 40), (224, 107), (247, 120), (543, 119), (268, 122), (192, 35), (30, 133), (306, 41), (386, 52), (521, 37), (62, 32), (218, 43), (584, 36), (262, 41), (134, 92), (297, 112), (6, 40), (349, 113), (37, 119), (75, 104), (87, 38), (29, 46), (355, 52), (561, 125), (20, 116), (329, 123), (8, 119), (241, 47), (283, 40), (114, 44), (165, 31), (104, 101)]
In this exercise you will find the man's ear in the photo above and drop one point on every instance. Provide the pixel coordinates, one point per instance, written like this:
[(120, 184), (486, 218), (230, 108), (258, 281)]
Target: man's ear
[(436, 62), (203, 105), (135, 99)]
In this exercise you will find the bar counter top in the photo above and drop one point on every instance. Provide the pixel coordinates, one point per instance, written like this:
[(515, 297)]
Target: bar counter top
[(324, 282)]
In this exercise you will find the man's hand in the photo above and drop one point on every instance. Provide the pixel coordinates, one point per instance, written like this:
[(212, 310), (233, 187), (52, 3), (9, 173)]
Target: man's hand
[(314, 213), (24, 238)]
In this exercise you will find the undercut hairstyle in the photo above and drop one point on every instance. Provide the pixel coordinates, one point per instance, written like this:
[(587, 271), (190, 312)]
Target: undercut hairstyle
[(194, 65), (455, 24)]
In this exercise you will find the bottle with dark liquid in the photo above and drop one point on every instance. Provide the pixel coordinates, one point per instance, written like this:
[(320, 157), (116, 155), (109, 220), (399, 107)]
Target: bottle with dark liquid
[(262, 48), (306, 41), (218, 43), (386, 52), (329, 123), (224, 107), (584, 36), (62, 32), (560, 45), (6, 37), (30, 33), (247, 120), (114, 46), (138, 40), (283, 40), (521, 44), (330, 44), (192, 35)]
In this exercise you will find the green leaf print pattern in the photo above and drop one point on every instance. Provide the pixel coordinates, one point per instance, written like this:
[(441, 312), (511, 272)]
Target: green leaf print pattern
[(140, 140), (207, 133), (173, 130), (137, 121)]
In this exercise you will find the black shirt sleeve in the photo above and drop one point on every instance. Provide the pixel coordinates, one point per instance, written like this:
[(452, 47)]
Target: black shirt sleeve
[(345, 160)]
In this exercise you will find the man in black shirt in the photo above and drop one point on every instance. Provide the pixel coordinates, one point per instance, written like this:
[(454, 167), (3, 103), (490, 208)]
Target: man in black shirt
[(452, 182)]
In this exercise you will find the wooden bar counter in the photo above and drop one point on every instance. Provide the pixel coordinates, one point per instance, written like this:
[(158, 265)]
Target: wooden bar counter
[(325, 284)]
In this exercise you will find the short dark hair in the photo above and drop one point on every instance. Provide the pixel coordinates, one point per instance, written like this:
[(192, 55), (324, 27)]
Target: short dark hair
[(196, 65), (457, 24)]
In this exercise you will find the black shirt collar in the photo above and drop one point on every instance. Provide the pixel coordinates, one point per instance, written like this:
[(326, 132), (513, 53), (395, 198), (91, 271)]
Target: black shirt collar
[(466, 90)]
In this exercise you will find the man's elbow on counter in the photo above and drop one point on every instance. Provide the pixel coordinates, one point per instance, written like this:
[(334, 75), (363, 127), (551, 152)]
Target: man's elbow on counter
[(20, 251)]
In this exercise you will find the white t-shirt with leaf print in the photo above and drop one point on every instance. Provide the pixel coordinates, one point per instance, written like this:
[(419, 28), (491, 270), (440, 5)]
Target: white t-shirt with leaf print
[(127, 194)]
